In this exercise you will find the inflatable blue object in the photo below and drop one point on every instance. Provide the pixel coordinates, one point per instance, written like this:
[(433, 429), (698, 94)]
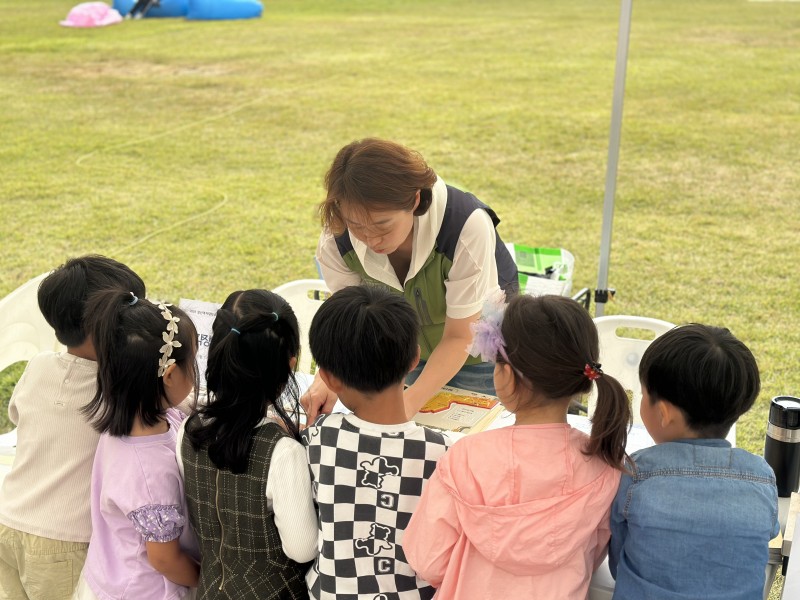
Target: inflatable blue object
[(224, 9), (166, 8)]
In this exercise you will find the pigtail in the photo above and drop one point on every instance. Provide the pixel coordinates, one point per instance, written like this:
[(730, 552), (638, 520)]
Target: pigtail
[(610, 422), (105, 319), (127, 334), (228, 439), (255, 336), (101, 316), (279, 383), (552, 344)]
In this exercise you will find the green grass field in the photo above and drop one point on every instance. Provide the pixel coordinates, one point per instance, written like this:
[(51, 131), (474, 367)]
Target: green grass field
[(195, 151)]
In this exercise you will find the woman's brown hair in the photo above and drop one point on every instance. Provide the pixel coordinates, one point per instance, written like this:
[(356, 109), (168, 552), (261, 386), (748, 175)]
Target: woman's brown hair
[(373, 175), (549, 340)]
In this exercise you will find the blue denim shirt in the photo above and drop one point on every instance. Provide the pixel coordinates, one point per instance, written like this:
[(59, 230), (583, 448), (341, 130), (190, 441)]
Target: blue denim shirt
[(694, 521)]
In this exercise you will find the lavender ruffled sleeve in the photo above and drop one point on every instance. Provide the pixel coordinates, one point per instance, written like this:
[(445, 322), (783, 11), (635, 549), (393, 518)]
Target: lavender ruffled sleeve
[(158, 522)]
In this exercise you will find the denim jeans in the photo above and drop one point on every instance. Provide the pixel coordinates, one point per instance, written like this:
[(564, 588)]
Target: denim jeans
[(476, 378)]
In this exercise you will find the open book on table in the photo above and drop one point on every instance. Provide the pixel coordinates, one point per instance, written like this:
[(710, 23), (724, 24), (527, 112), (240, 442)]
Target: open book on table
[(450, 409), (462, 411)]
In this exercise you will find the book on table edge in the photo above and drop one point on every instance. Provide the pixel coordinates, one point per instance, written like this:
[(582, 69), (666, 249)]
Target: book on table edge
[(457, 410)]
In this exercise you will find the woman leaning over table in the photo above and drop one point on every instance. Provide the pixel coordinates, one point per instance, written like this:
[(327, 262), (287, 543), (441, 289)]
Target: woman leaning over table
[(389, 220)]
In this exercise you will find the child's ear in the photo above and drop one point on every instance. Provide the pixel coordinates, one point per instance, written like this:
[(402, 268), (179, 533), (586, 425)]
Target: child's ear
[(507, 376), (668, 413), (414, 362), (293, 363), (334, 383), (173, 378), (169, 376)]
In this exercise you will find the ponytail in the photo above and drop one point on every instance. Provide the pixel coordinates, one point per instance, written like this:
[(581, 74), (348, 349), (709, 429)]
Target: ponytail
[(103, 319), (127, 334), (552, 342), (255, 336), (610, 422)]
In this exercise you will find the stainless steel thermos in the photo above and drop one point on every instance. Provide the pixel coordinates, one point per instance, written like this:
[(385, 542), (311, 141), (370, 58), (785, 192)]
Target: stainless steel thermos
[(782, 446)]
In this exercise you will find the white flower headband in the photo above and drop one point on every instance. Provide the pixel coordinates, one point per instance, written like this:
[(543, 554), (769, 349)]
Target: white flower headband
[(170, 343)]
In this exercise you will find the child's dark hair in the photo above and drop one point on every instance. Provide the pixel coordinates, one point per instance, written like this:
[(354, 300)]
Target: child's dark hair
[(375, 174), (366, 336), (63, 293), (255, 336), (704, 371), (127, 331), (550, 340)]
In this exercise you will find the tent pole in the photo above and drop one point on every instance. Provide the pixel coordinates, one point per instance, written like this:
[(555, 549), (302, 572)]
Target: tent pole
[(602, 292)]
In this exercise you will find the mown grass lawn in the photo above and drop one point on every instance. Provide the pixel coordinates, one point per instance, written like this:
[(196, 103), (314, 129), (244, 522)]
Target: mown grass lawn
[(194, 151)]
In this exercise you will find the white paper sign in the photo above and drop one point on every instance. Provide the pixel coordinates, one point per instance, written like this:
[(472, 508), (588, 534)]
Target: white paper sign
[(202, 315)]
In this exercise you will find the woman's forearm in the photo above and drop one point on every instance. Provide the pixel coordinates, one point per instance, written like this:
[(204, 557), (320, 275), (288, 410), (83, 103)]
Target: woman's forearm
[(445, 361)]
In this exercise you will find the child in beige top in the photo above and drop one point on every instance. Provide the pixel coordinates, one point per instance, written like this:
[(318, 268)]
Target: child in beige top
[(45, 523)]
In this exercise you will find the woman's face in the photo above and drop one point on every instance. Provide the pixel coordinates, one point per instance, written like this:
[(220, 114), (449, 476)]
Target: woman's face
[(384, 231)]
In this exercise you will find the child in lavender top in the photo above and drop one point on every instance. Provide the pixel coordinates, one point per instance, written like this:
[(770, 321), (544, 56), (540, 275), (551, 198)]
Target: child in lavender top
[(140, 534)]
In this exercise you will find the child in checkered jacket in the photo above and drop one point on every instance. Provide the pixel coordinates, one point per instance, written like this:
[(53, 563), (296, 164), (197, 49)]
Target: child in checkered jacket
[(370, 467)]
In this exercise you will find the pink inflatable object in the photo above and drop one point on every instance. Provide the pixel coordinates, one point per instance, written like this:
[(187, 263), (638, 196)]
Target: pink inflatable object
[(91, 14)]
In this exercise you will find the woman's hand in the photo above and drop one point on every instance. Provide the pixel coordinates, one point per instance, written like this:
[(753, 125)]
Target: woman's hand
[(317, 399)]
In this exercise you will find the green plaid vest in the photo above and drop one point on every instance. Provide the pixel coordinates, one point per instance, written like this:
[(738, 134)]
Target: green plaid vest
[(240, 548)]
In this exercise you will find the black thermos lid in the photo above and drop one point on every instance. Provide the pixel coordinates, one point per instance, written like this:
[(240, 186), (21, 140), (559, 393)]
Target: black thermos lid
[(784, 412)]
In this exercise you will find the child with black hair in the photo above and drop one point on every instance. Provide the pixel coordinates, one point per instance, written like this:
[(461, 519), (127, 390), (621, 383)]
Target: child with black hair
[(45, 521), (694, 517), (370, 467), (523, 511), (246, 477), (141, 544)]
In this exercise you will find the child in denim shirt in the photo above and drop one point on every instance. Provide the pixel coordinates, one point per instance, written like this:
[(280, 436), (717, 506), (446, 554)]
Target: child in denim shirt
[(695, 516)]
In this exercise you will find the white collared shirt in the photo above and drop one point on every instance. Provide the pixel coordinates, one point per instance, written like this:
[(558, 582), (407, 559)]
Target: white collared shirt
[(472, 277)]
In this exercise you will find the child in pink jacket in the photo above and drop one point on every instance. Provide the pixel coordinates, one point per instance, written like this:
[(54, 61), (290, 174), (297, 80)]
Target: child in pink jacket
[(523, 511)]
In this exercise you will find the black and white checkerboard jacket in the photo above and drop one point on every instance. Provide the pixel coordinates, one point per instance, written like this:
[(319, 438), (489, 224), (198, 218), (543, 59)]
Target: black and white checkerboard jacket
[(367, 480)]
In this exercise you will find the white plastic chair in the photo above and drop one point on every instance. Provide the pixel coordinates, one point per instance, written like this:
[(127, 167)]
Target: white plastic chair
[(23, 334), (620, 354), (305, 296), (23, 330)]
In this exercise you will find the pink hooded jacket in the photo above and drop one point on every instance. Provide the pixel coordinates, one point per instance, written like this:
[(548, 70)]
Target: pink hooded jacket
[(518, 512)]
